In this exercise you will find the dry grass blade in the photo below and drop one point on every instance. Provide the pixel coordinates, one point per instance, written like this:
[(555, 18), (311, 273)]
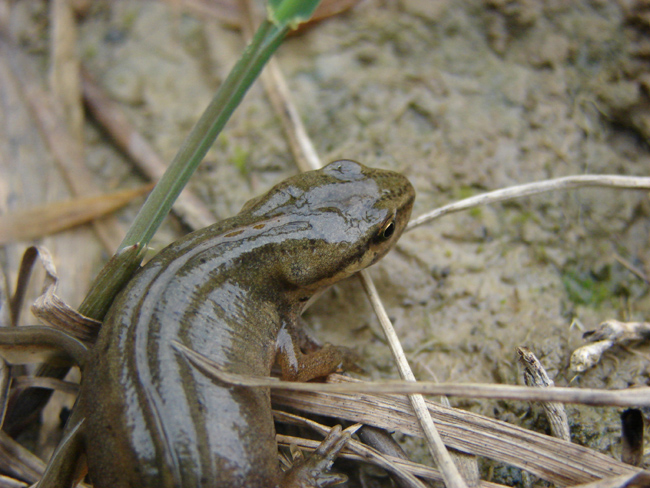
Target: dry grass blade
[(613, 398), (549, 458), (18, 462), (48, 306), (636, 480), (278, 92), (54, 217), (7, 482)]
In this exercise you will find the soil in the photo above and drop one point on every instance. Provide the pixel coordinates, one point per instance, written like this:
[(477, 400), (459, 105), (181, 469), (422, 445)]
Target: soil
[(463, 97)]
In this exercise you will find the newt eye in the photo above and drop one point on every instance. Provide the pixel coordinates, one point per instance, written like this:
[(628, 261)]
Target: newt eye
[(387, 230)]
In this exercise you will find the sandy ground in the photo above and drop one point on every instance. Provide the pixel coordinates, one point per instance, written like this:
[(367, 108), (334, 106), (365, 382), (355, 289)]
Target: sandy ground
[(462, 97)]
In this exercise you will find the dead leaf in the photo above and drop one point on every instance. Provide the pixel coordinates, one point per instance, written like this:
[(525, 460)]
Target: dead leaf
[(54, 217)]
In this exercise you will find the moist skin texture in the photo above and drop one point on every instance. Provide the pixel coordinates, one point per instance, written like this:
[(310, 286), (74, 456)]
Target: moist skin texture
[(233, 292)]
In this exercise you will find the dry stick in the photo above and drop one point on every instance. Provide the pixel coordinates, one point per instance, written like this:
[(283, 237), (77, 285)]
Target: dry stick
[(17, 461), (436, 446), (519, 191), (535, 375), (307, 158), (278, 92), (64, 67), (633, 269), (188, 207), (67, 107), (20, 463), (276, 89), (635, 480), (7, 482)]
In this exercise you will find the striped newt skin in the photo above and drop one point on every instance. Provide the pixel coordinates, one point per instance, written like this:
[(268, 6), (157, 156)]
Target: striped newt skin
[(233, 292)]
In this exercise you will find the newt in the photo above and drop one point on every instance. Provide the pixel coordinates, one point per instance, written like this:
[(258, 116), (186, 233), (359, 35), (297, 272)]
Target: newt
[(234, 292)]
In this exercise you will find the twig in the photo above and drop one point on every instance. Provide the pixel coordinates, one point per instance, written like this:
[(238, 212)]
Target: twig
[(609, 334), (64, 67), (529, 189), (17, 462), (633, 269), (535, 375), (613, 398), (443, 460), (302, 148)]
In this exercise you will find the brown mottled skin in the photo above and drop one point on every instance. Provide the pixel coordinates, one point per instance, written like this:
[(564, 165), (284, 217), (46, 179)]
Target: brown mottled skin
[(233, 292)]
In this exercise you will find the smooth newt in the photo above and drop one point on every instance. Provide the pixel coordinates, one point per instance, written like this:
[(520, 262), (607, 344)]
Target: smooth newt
[(233, 292)]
